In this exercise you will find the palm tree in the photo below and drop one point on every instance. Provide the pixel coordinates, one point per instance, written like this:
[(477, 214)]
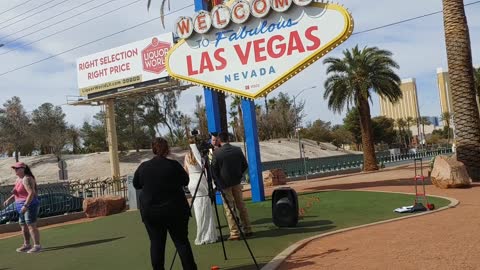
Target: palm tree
[(424, 121), (410, 121), (447, 118), (349, 83), (222, 110), (460, 69), (401, 124), (236, 106), (201, 116), (186, 122)]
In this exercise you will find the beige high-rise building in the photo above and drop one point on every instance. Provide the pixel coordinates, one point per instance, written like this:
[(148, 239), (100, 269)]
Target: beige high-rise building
[(407, 106), (444, 90), (446, 102)]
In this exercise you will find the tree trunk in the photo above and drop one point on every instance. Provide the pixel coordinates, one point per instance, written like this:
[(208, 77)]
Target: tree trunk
[(222, 110), (460, 69), (240, 122), (369, 159)]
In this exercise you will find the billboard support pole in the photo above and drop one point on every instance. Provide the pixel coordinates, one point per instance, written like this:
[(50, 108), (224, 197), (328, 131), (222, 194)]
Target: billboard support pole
[(253, 150), (112, 139)]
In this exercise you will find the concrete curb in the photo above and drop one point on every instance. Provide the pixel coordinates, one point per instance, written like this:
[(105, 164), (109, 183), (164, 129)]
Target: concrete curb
[(280, 258), (320, 178)]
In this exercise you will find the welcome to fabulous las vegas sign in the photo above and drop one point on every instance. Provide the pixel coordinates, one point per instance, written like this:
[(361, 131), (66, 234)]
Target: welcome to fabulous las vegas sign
[(249, 48)]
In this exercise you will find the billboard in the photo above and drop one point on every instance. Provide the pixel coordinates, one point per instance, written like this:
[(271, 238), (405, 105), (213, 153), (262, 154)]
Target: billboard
[(125, 67), (249, 48)]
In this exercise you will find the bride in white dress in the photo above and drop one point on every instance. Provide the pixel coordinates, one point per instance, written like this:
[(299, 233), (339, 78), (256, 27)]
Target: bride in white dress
[(202, 207)]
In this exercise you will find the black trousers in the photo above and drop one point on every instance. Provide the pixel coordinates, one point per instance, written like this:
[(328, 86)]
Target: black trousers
[(177, 227)]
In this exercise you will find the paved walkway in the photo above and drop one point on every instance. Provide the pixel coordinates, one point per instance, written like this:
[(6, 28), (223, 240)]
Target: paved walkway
[(445, 240)]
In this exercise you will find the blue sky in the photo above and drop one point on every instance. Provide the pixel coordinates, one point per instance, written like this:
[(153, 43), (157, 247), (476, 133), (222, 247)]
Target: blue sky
[(418, 46)]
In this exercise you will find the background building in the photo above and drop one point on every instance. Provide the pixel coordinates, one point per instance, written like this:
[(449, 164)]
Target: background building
[(434, 121), (446, 102), (405, 107)]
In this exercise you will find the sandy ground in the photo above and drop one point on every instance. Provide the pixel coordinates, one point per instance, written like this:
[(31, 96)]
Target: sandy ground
[(45, 168), (443, 240)]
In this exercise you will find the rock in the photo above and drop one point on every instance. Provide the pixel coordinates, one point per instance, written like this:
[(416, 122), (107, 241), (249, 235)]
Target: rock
[(448, 172), (103, 206), (274, 177)]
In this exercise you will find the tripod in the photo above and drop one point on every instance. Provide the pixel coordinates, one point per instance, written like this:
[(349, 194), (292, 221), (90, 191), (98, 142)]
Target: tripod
[(206, 171)]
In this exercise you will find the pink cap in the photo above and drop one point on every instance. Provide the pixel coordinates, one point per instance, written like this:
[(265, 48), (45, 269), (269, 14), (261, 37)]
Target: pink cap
[(19, 165)]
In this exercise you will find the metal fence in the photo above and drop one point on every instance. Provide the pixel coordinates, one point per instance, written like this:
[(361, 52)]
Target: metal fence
[(64, 197), (295, 168), (99, 188)]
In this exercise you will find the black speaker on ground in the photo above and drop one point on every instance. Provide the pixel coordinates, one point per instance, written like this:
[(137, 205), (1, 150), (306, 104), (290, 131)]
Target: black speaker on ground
[(285, 207)]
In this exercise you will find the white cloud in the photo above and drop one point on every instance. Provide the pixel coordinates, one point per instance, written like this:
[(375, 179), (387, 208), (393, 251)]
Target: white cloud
[(418, 46)]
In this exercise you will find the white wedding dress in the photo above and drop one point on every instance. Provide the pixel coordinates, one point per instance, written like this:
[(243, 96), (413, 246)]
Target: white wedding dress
[(202, 207)]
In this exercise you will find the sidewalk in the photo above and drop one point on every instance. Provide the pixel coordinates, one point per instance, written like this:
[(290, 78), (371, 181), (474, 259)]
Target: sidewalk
[(443, 240)]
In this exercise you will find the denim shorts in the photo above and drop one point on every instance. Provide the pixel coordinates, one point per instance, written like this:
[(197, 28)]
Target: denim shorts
[(30, 216)]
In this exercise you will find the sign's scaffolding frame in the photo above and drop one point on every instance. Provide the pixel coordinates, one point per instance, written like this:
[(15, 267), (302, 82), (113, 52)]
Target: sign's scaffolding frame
[(109, 100)]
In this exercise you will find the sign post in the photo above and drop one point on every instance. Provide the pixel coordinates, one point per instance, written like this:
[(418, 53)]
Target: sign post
[(62, 172), (253, 150), (112, 139)]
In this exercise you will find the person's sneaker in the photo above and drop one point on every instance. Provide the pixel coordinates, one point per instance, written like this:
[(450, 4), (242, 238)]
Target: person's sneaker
[(24, 248), (35, 249)]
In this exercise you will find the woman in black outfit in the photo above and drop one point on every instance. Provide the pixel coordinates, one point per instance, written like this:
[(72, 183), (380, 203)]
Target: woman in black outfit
[(163, 205)]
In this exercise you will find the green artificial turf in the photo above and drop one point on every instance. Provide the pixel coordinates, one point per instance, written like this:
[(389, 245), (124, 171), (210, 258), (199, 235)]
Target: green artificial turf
[(120, 241)]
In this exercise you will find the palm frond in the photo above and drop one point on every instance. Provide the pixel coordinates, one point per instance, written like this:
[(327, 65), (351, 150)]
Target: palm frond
[(359, 72), (162, 10)]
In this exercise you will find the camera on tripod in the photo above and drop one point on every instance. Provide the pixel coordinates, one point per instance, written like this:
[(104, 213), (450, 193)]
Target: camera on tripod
[(203, 144)]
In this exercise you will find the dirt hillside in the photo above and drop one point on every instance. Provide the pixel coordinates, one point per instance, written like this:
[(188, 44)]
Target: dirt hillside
[(45, 168)]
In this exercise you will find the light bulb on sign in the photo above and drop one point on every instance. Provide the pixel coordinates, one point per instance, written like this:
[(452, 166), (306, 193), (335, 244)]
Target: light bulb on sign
[(220, 16), (281, 6), (202, 22), (260, 8), (240, 11), (184, 27)]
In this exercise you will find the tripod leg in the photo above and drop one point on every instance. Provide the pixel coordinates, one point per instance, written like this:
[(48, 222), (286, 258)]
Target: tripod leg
[(220, 230), (173, 261), (235, 218)]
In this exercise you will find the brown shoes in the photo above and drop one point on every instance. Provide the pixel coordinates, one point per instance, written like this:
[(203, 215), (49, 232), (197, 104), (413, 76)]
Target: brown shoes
[(233, 238), (237, 237)]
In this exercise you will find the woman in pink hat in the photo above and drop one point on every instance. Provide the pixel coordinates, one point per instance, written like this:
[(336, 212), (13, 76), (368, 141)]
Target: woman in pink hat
[(27, 205)]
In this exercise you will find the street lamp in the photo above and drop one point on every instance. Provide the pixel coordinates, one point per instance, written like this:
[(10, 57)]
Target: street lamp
[(297, 129)]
